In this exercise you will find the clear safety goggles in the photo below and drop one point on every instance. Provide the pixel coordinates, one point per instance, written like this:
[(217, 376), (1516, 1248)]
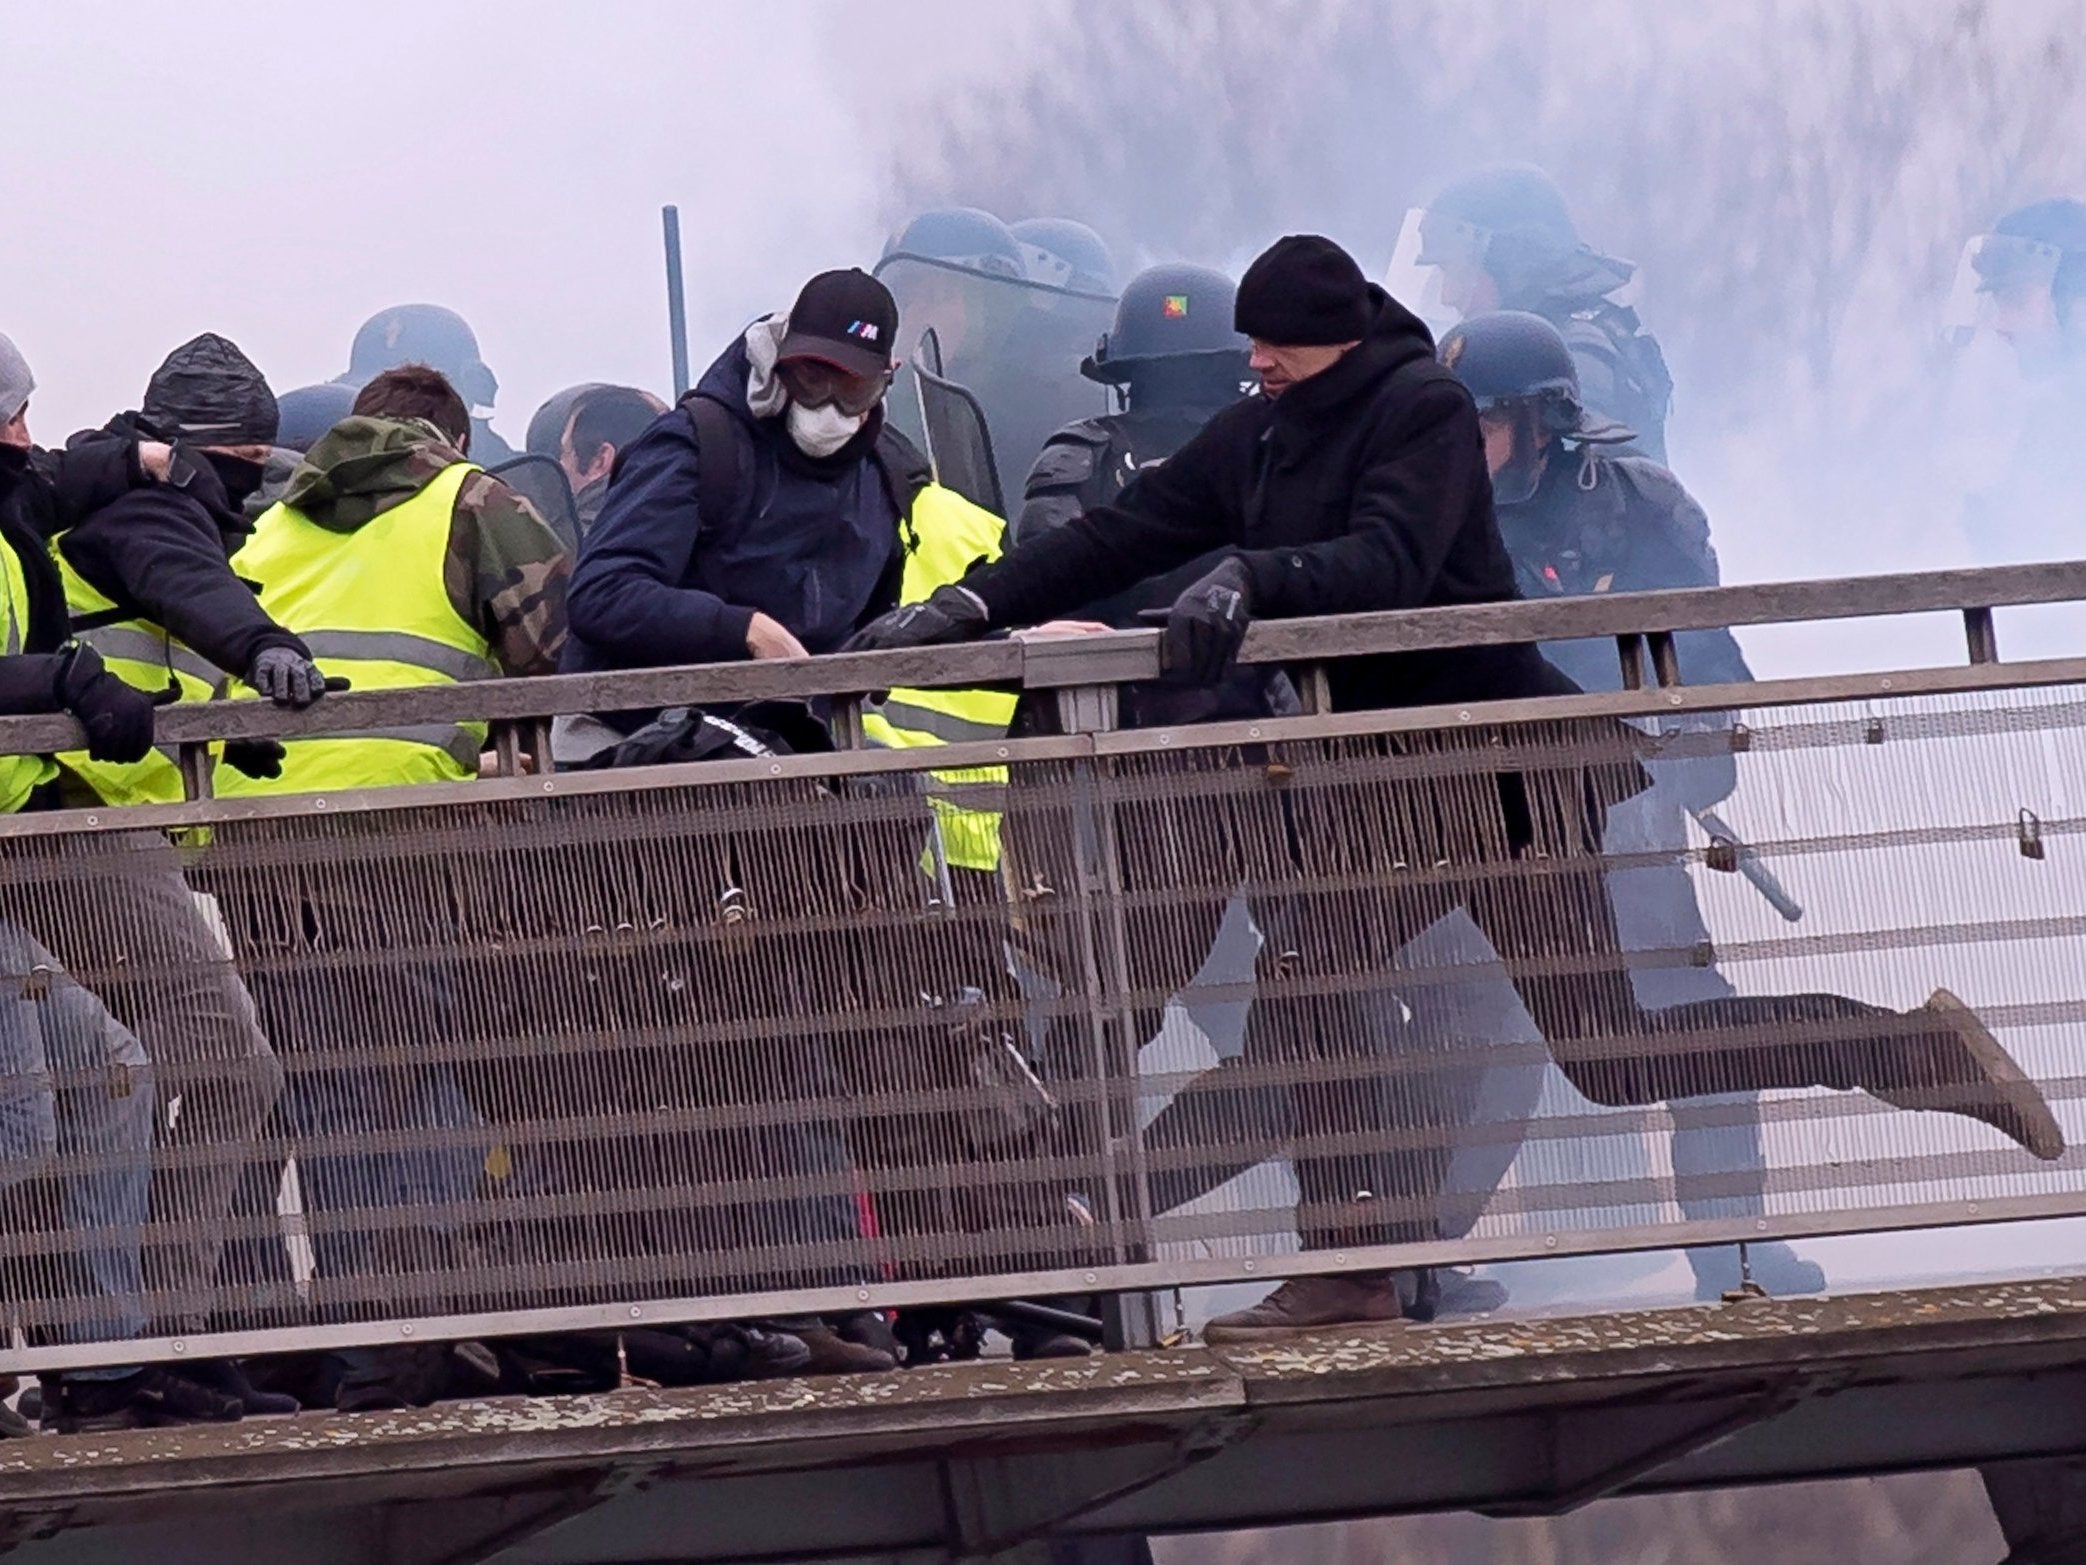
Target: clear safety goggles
[(1995, 272), (811, 384)]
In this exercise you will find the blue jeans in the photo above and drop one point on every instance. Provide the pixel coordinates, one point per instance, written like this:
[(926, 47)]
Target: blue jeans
[(75, 1083)]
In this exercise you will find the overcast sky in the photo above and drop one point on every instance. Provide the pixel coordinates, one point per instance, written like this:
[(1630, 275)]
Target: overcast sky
[(280, 171)]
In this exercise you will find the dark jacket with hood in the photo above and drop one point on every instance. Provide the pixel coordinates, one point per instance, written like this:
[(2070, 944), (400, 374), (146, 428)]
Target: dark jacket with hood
[(1622, 369), (1362, 488), (504, 569), (41, 494), (812, 543), (163, 552), (1601, 521)]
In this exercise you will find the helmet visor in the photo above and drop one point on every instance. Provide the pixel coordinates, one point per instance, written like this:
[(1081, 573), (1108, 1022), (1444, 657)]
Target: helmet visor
[(1998, 273), (1417, 280)]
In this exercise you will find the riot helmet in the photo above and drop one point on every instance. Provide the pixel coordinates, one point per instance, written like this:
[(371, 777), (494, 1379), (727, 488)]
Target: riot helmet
[(1061, 253), (1505, 198), (1498, 238), (1517, 366), (2024, 279), (309, 411), (962, 237), (1172, 341), (547, 424), (423, 334)]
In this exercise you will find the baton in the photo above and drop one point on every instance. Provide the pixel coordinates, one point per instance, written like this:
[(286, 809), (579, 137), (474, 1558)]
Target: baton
[(1736, 855)]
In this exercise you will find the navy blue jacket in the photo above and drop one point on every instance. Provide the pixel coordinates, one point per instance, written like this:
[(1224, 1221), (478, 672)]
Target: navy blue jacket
[(812, 544)]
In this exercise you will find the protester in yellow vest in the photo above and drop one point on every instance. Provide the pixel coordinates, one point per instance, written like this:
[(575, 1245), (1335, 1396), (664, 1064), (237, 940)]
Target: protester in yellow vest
[(944, 535), (148, 577), (103, 907), (400, 564)]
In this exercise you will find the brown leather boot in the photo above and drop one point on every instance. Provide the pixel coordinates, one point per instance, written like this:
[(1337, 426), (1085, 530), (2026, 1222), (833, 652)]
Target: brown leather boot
[(1971, 1074), (1307, 1304)]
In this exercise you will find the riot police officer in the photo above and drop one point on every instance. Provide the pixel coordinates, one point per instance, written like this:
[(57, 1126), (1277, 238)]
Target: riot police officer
[(1581, 515), (1010, 318), (2024, 284), (1503, 238), (1173, 359)]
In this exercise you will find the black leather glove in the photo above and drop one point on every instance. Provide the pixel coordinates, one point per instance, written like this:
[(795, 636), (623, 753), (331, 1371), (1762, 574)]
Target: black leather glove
[(286, 676), (261, 758), (117, 716), (1206, 626), (950, 614)]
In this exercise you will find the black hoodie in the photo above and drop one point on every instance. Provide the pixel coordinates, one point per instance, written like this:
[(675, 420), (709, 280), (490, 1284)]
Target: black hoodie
[(1362, 488), (164, 553), (41, 492)]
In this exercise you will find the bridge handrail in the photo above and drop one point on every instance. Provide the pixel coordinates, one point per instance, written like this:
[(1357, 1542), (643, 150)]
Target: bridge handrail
[(1114, 658)]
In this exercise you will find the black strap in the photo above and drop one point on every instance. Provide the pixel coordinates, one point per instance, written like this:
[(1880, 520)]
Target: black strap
[(720, 459), (100, 618)]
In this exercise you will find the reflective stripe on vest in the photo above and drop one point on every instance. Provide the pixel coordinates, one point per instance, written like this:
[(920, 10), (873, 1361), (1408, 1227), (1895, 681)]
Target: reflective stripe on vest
[(372, 606), (950, 535), (20, 775), (139, 653)]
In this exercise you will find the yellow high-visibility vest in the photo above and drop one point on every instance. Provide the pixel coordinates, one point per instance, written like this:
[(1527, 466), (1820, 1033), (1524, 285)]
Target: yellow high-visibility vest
[(139, 653), (20, 775), (371, 605), (948, 536)]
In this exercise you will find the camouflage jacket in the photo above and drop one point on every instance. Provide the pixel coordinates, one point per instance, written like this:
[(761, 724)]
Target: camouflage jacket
[(505, 569)]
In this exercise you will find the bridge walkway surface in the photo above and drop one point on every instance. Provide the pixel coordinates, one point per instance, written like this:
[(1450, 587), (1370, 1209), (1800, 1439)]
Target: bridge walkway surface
[(998, 1460)]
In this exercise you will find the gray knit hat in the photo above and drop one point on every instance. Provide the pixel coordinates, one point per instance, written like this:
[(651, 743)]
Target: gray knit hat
[(15, 380)]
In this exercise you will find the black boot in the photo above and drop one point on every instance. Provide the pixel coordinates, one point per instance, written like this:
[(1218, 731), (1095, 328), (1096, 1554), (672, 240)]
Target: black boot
[(228, 1378), (149, 1398)]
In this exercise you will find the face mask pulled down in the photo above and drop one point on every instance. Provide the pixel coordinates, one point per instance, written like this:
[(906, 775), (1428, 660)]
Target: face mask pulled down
[(821, 432)]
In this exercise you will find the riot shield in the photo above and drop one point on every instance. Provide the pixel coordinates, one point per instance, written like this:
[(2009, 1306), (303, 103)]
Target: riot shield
[(541, 482), (956, 437), (1013, 344)]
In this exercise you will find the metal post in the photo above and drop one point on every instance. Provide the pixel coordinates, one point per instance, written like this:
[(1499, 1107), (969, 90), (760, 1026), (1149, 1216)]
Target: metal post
[(1129, 1320), (1982, 635), (1630, 647), (676, 299)]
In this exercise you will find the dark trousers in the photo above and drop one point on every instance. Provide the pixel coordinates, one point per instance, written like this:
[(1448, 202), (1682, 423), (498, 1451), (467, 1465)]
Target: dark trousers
[(1345, 859)]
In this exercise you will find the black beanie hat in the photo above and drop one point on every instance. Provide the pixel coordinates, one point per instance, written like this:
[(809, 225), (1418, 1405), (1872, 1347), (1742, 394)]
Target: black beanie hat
[(1304, 291), (208, 393)]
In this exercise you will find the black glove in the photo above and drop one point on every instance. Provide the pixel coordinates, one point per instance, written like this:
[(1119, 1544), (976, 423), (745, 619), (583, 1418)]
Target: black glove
[(1206, 626), (260, 758), (286, 676), (952, 613), (117, 716)]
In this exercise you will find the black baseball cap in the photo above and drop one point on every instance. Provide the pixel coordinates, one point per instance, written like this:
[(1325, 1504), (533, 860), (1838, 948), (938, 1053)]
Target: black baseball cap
[(846, 319)]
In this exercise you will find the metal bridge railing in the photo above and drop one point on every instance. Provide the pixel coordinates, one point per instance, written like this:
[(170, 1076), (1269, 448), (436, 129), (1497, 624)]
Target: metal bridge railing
[(577, 1050)]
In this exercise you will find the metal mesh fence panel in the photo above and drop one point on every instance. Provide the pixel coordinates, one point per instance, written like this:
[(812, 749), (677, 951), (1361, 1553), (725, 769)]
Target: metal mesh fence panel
[(1325, 1001)]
